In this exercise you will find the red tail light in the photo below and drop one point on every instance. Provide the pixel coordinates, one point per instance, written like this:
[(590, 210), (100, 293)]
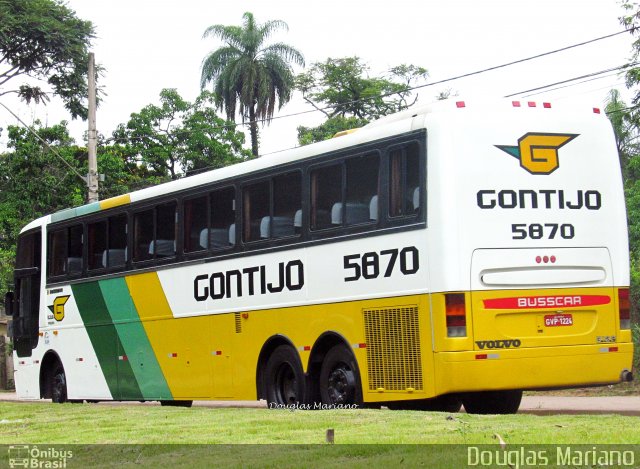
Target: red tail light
[(624, 308), (456, 315)]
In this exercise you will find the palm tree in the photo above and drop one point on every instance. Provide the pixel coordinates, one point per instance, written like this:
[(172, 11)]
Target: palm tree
[(247, 72)]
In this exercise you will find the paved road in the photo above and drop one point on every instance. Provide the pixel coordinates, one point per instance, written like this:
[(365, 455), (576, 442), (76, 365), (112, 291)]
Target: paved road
[(536, 404)]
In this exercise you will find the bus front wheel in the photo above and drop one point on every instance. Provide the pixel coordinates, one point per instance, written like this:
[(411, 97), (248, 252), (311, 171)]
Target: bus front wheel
[(492, 402), (339, 380), (176, 403), (284, 378), (58, 385)]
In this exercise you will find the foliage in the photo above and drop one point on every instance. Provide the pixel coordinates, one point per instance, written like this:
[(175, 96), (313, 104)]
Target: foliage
[(328, 129), (43, 40), (158, 144), (342, 88), (248, 75), (33, 181), (178, 137), (625, 125)]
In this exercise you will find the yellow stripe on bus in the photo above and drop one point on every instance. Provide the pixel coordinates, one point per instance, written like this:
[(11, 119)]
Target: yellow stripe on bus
[(181, 345), (115, 201)]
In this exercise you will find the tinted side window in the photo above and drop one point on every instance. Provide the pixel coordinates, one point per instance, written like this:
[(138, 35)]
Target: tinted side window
[(58, 252), (345, 194), (65, 251), (326, 197), (255, 200), (166, 229), (116, 254), (287, 205), (362, 189), (195, 224), (75, 260), (97, 233), (154, 233), (142, 235), (404, 182), (223, 218)]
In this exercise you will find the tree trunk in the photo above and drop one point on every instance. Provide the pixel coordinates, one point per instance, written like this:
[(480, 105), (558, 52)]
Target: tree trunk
[(253, 127)]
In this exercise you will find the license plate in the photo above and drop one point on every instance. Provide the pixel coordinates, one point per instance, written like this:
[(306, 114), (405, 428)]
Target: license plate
[(556, 320)]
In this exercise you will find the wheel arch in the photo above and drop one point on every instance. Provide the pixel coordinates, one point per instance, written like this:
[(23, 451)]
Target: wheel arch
[(49, 360), (321, 347), (268, 347)]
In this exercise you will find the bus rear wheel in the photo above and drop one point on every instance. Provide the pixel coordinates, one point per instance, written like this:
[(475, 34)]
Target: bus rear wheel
[(492, 402), (58, 385), (339, 379), (284, 378)]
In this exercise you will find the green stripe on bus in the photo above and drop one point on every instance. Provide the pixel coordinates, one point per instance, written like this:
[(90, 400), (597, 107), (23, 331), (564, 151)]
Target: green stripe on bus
[(106, 343), (75, 212), (133, 337)]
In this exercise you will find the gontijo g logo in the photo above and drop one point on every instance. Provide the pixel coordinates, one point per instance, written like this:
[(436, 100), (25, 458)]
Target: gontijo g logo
[(57, 308), (538, 152)]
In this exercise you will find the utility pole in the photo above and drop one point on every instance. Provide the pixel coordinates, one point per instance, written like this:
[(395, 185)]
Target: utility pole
[(92, 177)]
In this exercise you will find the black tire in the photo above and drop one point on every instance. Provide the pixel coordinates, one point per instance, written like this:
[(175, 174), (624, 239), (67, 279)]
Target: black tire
[(176, 403), (284, 379), (492, 402), (340, 378), (58, 385), (445, 403)]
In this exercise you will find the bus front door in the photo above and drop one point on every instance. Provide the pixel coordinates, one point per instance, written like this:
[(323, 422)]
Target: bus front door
[(26, 304)]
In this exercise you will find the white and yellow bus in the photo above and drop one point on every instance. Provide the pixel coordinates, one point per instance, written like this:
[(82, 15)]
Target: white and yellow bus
[(454, 253)]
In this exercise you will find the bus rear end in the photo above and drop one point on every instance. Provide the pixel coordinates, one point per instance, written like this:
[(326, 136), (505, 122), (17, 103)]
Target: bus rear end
[(530, 273)]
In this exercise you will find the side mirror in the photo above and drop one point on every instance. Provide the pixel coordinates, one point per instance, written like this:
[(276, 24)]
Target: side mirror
[(8, 303)]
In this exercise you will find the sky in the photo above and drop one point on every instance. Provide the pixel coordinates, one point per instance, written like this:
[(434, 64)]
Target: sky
[(148, 45)]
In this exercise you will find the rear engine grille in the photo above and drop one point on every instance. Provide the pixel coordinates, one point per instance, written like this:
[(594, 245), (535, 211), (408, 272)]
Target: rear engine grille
[(393, 348)]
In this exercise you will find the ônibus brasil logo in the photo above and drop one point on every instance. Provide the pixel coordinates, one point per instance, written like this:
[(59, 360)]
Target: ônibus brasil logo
[(538, 152)]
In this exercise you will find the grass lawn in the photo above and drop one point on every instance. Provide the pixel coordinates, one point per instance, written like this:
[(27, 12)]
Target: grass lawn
[(152, 436), (143, 424)]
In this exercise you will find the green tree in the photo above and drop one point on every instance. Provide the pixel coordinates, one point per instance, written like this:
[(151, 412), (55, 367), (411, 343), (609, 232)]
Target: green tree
[(248, 75), (44, 41), (624, 120), (34, 181), (38, 178), (328, 129), (344, 92), (178, 137), (625, 127)]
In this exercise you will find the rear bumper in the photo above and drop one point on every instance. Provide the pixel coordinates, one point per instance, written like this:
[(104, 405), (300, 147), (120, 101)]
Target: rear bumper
[(536, 368)]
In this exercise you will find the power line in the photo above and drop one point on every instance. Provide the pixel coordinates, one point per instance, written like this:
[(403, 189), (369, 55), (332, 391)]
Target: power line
[(589, 75), (439, 82), (53, 150), (458, 77), (575, 84)]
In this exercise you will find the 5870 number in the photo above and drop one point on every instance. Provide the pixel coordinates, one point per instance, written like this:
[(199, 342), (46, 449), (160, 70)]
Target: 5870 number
[(540, 231), (371, 264)]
